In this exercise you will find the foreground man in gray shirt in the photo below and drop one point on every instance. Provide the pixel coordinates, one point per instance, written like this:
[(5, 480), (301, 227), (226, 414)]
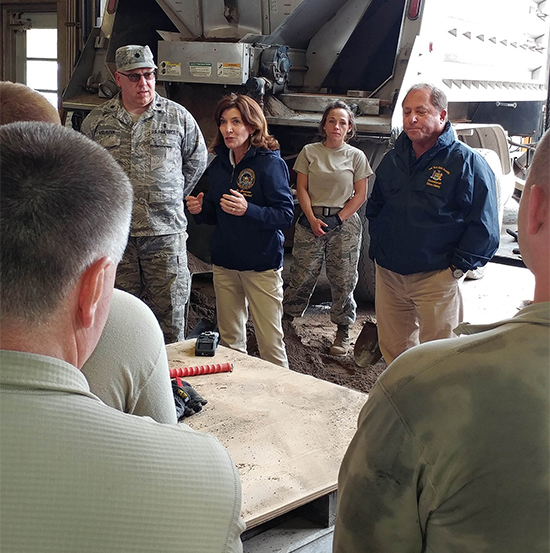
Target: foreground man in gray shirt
[(75, 474)]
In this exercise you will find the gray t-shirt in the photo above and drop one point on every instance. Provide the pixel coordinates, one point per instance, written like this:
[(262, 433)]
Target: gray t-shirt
[(332, 172), (128, 369)]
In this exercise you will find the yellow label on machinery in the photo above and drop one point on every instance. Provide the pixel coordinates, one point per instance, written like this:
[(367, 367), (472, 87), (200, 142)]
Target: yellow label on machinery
[(170, 68), (229, 69)]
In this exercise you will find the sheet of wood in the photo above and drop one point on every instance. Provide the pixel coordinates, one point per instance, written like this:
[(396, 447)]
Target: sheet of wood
[(286, 432)]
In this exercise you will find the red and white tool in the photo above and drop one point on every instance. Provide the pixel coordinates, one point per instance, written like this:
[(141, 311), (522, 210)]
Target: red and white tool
[(202, 369)]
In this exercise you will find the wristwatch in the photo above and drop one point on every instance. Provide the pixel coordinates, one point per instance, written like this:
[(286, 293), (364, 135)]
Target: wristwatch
[(457, 273)]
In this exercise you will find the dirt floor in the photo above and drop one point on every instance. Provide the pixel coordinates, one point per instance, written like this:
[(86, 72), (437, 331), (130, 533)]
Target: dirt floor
[(307, 339), (504, 289)]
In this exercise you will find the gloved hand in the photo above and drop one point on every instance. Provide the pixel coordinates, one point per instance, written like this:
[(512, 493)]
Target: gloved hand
[(188, 400), (332, 221)]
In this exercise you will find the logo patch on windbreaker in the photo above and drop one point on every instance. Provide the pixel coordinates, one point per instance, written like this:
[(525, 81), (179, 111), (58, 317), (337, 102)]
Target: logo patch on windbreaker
[(437, 176), (246, 179)]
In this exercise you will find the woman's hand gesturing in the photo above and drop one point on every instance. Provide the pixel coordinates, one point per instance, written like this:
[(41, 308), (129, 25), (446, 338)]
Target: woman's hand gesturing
[(194, 203), (234, 203)]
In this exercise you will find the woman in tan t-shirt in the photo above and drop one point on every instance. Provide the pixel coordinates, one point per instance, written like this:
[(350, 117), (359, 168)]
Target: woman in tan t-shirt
[(331, 187)]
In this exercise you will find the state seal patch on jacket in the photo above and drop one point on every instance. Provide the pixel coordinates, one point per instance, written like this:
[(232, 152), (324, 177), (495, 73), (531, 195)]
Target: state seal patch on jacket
[(436, 177), (246, 179)]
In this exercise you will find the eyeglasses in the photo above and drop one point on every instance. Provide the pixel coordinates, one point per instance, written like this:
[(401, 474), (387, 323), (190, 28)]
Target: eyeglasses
[(136, 77)]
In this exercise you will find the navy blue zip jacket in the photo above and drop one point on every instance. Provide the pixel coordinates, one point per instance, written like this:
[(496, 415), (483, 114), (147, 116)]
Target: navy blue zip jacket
[(253, 242), (428, 213)]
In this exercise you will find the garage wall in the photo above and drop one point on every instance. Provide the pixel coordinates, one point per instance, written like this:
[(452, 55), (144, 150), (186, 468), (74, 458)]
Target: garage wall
[(74, 21)]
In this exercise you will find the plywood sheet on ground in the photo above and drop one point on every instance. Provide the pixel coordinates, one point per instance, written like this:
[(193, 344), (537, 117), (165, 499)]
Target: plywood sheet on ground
[(286, 432)]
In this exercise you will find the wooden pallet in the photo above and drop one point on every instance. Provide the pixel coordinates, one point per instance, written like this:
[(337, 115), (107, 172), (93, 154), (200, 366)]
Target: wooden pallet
[(286, 432)]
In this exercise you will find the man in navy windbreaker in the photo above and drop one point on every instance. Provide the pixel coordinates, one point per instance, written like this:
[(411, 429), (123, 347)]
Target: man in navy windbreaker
[(433, 216)]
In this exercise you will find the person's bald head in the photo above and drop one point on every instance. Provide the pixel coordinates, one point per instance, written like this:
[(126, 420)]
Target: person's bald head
[(534, 220), (21, 103)]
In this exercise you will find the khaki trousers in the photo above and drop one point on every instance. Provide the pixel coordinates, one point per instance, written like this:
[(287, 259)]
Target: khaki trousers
[(417, 308), (236, 291)]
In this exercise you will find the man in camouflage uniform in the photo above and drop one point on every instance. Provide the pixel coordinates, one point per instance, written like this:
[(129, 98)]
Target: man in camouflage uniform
[(160, 147), (451, 450)]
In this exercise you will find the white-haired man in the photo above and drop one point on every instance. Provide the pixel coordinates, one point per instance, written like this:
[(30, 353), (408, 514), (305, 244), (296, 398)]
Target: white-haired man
[(452, 447), (76, 474), (432, 217)]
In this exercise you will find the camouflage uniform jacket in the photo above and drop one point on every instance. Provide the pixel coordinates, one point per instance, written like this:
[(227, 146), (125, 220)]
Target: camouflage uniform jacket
[(163, 153), (451, 450)]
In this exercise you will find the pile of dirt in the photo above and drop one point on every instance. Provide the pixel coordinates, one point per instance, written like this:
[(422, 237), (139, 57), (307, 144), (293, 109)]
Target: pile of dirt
[(307, 339), (202, 308), (308, 342)]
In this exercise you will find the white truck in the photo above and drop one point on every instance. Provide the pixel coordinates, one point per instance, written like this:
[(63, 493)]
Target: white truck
[(490, 57)]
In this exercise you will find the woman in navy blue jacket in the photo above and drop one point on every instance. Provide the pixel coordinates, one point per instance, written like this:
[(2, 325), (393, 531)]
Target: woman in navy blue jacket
[(250, 203)]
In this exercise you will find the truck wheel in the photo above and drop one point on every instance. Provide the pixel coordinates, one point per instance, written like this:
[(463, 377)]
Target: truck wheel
[(365, 288), (503, 189)]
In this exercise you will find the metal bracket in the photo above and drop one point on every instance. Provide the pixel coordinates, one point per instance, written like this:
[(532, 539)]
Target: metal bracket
[(20, 25)]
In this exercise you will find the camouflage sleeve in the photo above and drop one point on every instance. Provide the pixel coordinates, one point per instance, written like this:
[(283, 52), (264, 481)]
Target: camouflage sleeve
[(86, 127), (194, 154), (378, 485)]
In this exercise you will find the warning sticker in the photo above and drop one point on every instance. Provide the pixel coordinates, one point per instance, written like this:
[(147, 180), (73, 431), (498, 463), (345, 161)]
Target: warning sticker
[(229, 69), (200, 69), (169, 68)]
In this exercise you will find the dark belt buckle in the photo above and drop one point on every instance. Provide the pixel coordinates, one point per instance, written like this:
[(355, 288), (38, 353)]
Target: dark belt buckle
[(326, 211)]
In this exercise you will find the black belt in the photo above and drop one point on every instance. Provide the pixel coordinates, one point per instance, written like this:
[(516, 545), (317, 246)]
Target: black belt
[(325, 211)]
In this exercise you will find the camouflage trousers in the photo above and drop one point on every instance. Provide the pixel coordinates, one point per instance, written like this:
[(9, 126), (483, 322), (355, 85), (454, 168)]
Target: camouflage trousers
[(339, 249), (154, 269)]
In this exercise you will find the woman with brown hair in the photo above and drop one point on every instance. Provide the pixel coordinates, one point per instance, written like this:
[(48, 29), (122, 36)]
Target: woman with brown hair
[(250, 203), (331, 187)]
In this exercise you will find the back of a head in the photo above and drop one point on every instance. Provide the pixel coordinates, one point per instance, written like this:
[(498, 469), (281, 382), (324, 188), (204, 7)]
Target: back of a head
[(64, 203), (539, 172), (534, 220), (21, 103)]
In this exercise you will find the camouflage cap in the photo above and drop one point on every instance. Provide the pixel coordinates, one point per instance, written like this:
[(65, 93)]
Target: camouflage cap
[(134, 56)]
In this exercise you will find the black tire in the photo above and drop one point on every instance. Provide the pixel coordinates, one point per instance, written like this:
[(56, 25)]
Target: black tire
[(364, 291), (491, 157), (366, 285)]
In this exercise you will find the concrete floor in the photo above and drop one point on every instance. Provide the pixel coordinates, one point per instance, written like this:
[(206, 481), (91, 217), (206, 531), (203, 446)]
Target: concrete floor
[(506, 285), (498, 295)]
